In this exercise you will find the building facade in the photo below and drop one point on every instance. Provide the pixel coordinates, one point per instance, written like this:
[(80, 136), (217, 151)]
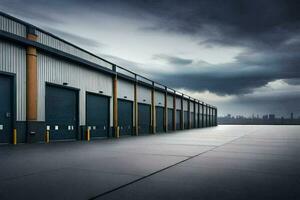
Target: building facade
[(54, 90)]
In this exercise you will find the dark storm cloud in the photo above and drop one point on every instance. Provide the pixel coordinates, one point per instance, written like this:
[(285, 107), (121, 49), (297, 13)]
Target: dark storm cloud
[(269, 31)]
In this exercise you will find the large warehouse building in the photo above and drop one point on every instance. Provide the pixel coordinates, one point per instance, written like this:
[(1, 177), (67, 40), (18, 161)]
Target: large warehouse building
[(53, 90)]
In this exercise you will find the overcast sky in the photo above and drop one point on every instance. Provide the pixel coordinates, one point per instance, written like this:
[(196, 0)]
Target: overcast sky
[(242, 56)]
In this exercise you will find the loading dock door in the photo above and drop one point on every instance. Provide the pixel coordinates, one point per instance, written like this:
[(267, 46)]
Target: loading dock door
[(61, 112), (192, 120), (6, 91), (178, 119), (125, 117), (186, 119), (97, 115), (170, 119), (159, 119), (144, 118)]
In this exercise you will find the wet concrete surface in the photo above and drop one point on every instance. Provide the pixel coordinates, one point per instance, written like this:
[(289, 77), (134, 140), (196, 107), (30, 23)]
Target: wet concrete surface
[(224, 162)]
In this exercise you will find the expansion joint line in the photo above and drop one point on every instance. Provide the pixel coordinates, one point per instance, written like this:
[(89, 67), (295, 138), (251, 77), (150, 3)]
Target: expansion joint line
[(161, 170)]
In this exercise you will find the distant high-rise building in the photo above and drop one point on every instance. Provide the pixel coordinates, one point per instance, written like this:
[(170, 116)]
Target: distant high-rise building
[(271, 116), (292, 116), (265, 116)]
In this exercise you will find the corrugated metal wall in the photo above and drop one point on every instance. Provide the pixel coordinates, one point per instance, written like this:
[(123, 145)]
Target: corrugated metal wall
[(159, 99), (58, 71), (125, 90), (143, 95), (191, 106), (170, 101), (13, 60), (67, 48), (185, 105), (12, 26), (178, 103), (196, 108)]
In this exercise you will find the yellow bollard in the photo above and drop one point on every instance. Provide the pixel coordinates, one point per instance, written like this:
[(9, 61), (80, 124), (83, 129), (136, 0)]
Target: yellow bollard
[(14, 136), (88, 134), (47, 135)]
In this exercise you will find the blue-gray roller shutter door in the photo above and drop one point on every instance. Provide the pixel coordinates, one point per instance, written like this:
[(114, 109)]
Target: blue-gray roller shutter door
[(178, 119), (192, 119), (6, 109), (159, 119), (186, 119), (170, 119), (62, 112), (125, 117), (97, 115), (144, 118)]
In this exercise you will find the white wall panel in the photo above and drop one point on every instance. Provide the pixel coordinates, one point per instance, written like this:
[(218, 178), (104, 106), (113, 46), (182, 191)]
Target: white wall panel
[(143, 95), (170, 99), (185, 105), (12, 26), (125, 89), (50, 41), (13, 60), (58, 71), (178, 103), (159, 99)]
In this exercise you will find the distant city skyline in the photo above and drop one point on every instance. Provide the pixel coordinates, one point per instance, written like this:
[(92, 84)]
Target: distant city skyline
[(260, 116)]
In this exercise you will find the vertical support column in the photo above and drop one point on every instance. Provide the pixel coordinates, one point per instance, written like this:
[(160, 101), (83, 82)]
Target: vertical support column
[(153, 114), (31, 89), (198, 115), (136, 117), (116, 132), (206, 115), (31, 78), (166, 110), (189, 113), (174, 111), (182, 114)]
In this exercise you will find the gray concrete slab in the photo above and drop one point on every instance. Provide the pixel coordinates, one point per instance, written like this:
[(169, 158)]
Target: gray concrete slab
[(224, 162)]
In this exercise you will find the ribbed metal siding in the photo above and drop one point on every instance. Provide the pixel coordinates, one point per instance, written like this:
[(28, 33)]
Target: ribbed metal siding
[(159, 99), (125, 89), (185, 105), (191, 106), (196, 108), (58, 71), (170, 100), (13, 60), (62, 46), (178, 103), (12, 26), (143, 95)]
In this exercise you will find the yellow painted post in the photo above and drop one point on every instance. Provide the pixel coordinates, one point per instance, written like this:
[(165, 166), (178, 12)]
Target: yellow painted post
[(88, 134), (14, 136), (47, 136)]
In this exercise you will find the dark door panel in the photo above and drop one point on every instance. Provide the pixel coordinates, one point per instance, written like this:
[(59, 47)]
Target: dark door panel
[(170, 119), (159, 119), (178, 119), (186, 119), (144, 118), (6, 111), (97, 115), (125, 117), (61, 112)]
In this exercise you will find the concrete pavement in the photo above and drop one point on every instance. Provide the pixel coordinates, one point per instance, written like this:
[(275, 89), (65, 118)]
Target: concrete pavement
[(224, 162)]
